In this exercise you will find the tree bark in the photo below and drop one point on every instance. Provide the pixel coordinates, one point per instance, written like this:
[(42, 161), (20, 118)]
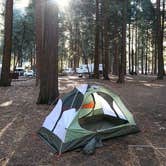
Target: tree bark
[(49, 59), (136, 47), (162, 32), (14, 61), (142, 61), (106, 40), (121, 78), (129, 48), (5, 73), (76, 47), (156, 56), (102, 36), (132, 52), (39, 28), (116, 57), (96, 57), (146, 53), (160, 44)]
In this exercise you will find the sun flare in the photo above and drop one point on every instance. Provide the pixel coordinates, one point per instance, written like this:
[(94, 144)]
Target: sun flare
[(63, 3), (21, 4)]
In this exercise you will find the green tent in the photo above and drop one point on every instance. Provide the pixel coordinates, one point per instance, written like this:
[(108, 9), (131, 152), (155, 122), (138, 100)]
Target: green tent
[(84, 113)]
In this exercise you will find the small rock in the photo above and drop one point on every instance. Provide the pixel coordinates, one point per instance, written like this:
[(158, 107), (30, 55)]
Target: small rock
[(162, 128), (51, 154)]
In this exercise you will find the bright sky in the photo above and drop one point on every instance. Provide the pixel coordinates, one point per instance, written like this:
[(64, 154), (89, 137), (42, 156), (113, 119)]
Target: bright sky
[(20, 4), (63, 3), (153, 1)]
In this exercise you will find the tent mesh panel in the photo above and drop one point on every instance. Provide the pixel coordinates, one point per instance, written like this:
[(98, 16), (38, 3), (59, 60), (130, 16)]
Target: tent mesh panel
[(74, 100), (100, 122)]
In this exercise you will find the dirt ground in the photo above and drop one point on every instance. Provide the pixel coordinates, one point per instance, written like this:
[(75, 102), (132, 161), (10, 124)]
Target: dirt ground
[(21, 118)]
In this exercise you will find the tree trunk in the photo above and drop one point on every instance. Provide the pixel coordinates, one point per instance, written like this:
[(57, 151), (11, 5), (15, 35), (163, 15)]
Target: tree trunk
[(132, 52), (116, 59), (162, 33), (136, 49), (116, 52), (102, 36), (146, 61), (153, 55), (138, 53), (5, 73), (146, 54), (102, 49), (14, 61), (61, 61), (49, 59), (129, 48), (106, 39), (160, 43), (96, 57), (156, 56), (75, 48), (39, 28), (121, 78), (142, 61)]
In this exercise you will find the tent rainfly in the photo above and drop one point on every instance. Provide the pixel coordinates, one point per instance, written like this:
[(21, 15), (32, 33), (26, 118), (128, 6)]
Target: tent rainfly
[(84, 113)]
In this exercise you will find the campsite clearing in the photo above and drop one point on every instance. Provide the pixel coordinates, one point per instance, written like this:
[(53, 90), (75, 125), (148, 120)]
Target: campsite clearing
[(21, 118)]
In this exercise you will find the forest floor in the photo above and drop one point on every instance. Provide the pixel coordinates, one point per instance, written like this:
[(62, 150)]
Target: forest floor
[(21, 118)]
